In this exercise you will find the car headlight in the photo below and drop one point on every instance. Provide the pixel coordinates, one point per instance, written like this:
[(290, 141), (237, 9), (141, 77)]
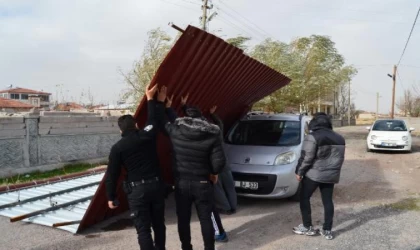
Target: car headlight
[(285, 158), (373, 137), (405, 138)]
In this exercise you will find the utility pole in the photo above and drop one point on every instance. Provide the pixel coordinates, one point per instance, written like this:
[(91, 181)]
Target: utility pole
[(349, 109), (393, 91), (204, 17), (377, 105), (207, 17)]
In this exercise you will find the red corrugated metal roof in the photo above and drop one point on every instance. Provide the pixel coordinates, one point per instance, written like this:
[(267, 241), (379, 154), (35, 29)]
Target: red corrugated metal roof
[(214, 73), (24, 91), (9, 103)]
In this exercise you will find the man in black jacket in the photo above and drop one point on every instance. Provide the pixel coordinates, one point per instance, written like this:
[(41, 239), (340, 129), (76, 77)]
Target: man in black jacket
[(136, 151), (197, 156), (319, 166)]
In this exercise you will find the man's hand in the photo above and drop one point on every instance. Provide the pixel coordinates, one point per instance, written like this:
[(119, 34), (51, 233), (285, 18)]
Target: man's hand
[(299, 178), (213, 109), (111, 205), (169, 101), (214, 178), (150, 92), (184, 99), (162, 94)]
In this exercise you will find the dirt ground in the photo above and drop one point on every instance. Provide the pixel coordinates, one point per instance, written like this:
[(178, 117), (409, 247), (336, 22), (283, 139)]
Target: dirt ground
[(377, 206)]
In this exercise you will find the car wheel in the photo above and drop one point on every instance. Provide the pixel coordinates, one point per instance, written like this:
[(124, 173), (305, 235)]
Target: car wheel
[(296, 196), (368, 149)]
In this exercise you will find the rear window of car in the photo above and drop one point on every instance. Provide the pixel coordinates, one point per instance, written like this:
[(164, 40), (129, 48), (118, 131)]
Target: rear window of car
[(389, 126), (265, 133)]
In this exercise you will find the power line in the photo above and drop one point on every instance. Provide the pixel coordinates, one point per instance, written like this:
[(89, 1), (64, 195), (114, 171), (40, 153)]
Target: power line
[(410, 66), (409, 36), (176, 4), (246, 19), (228, 22)]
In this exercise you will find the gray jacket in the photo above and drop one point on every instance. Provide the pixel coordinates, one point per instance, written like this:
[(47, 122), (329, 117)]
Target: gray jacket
[(322, 153)]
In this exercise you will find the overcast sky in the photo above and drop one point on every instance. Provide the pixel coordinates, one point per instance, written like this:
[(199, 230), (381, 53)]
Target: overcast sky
[(71, 46)]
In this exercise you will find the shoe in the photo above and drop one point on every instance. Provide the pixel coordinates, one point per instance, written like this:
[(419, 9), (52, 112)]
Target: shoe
[(221, 237), (327, 234), (302, 230)]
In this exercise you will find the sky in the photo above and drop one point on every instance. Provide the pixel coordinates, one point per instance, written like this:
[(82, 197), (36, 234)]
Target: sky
[(70, 47)]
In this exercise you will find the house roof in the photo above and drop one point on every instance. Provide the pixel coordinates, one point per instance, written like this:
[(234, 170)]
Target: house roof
[(68, 106), (9, 103), (24, 91)]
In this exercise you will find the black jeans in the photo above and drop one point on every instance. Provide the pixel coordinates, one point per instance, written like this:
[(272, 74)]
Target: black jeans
[(201, 194), (308, 188), (147, 206), (217, 222)]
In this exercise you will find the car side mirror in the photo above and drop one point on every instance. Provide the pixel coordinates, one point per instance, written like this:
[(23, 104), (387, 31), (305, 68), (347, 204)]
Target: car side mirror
[(367, 128), (412, 129)]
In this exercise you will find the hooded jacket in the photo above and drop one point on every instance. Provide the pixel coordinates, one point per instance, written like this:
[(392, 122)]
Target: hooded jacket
[(197, 148), (322, 153)]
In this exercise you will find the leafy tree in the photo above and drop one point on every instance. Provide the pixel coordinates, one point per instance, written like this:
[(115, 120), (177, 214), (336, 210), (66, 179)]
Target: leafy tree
[(157, 47), (239, 42)]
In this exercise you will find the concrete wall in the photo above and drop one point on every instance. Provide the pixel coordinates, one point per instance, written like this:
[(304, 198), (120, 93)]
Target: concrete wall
[(31, 142)]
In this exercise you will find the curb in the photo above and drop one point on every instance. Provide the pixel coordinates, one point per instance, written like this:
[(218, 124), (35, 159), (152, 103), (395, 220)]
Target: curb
[(51, 180)]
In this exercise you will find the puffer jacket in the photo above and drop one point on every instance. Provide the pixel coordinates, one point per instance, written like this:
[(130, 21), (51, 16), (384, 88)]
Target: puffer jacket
[(197, 148), (322, 153)]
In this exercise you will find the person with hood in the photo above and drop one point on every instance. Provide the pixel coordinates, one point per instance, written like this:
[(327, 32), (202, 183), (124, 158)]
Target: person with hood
[(198, 158), (319, 166)]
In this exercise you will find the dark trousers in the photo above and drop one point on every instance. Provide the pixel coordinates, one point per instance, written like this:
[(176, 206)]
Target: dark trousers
[(308, 188), (147, 206), (217, 222), (201, 194)]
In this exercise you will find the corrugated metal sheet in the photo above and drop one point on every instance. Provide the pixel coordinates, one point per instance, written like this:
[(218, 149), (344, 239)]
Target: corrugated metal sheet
[(214, 73), (27, 201)]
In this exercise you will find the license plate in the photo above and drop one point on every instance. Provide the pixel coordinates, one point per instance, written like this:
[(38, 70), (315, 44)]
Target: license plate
[(385, 144), (246, 185)]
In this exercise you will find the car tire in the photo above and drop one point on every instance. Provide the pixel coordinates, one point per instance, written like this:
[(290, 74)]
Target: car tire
[(368, 149), (296, 196)]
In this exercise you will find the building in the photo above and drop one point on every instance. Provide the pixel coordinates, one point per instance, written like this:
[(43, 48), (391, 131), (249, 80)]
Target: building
[(115, 110), (13, 106), (35, 98), (69, 106)]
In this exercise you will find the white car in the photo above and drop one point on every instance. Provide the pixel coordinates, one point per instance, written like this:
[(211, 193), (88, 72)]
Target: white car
[(392, 135)]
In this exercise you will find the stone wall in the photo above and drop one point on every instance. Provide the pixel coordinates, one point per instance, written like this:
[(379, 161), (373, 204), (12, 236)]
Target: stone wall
[(29, 143)]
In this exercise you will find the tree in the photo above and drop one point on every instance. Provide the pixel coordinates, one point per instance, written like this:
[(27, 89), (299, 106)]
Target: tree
[(314, 65), (407, 103), (155, 51), (239, 42)]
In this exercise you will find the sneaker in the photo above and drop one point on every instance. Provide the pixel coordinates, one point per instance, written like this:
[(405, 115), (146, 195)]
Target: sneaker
[(221, 237), (302, 230), (327, 234)]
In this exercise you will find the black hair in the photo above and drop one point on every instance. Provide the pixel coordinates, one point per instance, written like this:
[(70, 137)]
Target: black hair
[(193, 112), (126, 122)]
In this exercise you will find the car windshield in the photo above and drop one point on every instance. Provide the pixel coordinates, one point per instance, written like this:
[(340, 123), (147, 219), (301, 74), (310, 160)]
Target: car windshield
[(265, 133), (389, 126)]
